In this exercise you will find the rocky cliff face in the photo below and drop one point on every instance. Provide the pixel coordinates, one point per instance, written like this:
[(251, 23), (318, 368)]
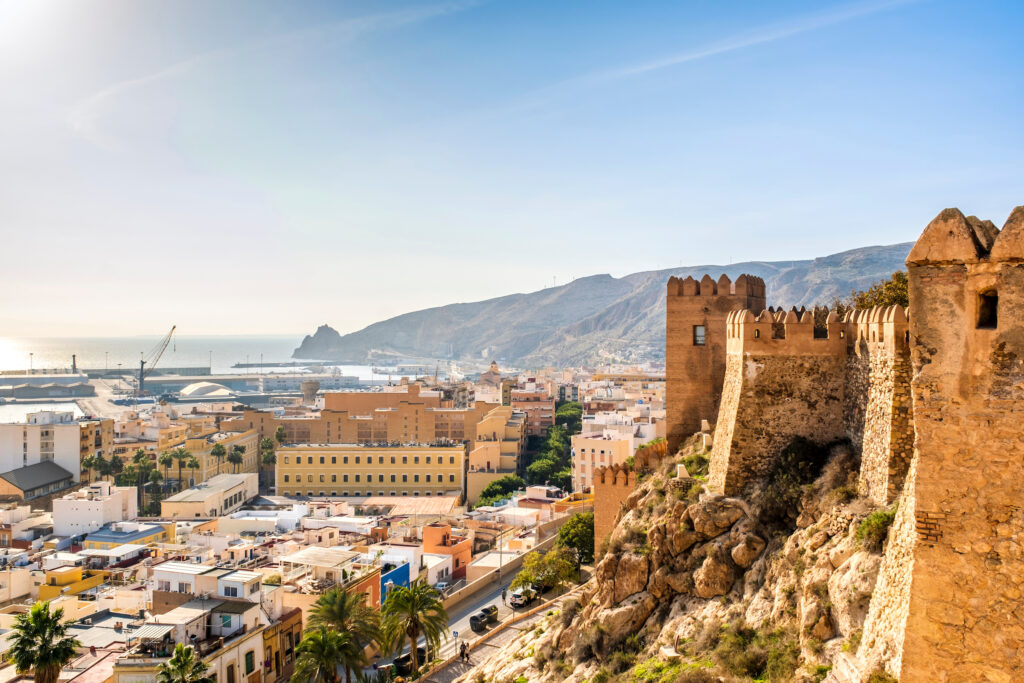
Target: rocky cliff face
[(696, 587), (590, 318)]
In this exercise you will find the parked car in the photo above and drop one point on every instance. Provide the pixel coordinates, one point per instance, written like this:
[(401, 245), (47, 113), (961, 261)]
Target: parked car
[(442, 587), (403, 664), (521, 597)]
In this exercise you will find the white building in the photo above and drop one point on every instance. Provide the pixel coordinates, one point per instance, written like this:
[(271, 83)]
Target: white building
[(46, 435), (87, 510)]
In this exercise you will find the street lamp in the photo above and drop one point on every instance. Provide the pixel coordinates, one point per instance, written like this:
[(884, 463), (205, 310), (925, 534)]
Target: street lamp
[(30, 354)]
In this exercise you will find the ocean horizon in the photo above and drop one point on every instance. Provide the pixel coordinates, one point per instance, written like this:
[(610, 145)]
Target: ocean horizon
[(218, 352)]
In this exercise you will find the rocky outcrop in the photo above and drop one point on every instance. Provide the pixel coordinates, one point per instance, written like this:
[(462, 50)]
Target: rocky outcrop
[(694, 566)]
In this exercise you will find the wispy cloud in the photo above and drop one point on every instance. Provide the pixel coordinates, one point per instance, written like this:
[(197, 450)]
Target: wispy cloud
[(759, 36), (85, 115)]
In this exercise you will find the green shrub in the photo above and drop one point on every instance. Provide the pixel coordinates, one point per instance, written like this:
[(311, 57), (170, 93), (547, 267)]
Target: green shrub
[(879, 675), (621, 661), (799, 464), (820, 672), (697, 464), (602, 676), (757, 653), (852, 643), (874, 529)]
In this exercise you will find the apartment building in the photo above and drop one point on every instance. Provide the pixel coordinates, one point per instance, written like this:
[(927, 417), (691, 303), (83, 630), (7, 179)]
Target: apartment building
[(539, 406), (413, 415), (88, 509), (217, 496), (354, 470), (497, 451), (45, 436)]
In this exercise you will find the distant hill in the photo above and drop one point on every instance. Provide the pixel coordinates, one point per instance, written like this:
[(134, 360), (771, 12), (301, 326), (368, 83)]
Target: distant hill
[(589, 319)]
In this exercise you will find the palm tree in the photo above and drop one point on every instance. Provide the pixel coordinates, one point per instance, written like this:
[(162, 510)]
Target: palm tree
[(89, 464), (218, 451), (192, 464), (320, 653), (181, 455), (267, 457), (347, 612), (183, 667), (236, 457), (154, 478), (165, 460), (413, 611), (41, 643)]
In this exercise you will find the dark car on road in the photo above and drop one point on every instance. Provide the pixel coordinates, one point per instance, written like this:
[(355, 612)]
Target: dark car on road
[(403, 664)]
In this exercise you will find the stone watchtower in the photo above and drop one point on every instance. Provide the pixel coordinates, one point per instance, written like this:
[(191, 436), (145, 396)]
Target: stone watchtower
[(695, 346), (967, 354)]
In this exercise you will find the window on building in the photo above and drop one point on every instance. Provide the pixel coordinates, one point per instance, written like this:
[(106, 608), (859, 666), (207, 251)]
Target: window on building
[(184, 587), (392, 479), (334, 478), (334, 460), (286, 460), (416, 478), (392, 460), (405, 460), (344, 478), (357, 459), (380, 478), (451, 459), (250, 662), (988, 305), (321, 478), (451, 477), (163, 585), (225, 620), (428, 478), (357, 478), (309, 460), (345, 460), (309, 478), (428, 459), (405, 477), (286, 478), (230, 592), (416, 460), (698, 335)]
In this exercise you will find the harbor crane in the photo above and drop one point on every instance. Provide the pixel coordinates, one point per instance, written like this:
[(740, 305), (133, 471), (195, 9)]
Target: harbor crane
[(151, 360)]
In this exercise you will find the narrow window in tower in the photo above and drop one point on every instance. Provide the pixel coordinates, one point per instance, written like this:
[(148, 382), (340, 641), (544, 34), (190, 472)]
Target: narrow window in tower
[(988, 303), (698, 335)]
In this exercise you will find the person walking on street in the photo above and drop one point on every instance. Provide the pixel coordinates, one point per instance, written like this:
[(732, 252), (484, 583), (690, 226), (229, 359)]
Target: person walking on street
[(504, 596)]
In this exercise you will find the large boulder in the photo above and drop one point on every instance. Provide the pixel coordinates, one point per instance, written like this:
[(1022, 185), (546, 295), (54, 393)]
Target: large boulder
[(620, 621), (682, 538), (714, 576), (849, 590), (713, 517), (630, 576), (747, 550)]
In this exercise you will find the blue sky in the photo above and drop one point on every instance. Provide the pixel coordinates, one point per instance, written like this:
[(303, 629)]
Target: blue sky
[(265, 167)]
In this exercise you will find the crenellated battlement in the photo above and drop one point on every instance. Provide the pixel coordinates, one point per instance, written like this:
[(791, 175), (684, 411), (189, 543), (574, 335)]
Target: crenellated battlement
[(745, 285), (778, 332), (612, 486), (616, 475), (888, 326)]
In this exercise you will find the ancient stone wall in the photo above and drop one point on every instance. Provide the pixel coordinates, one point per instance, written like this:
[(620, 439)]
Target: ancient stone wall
[(782, 381), (877, 410), (612, 486), (967, 288), (695, 344), (947, 603)]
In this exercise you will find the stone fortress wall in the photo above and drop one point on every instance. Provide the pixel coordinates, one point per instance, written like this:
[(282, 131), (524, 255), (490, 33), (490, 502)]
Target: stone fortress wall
[(694, 371), (947, 603), (612, 486), (785, 378)]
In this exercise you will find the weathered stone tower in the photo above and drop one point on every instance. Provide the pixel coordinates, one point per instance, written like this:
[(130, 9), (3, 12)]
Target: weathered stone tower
[(695, 345), (947, 606)]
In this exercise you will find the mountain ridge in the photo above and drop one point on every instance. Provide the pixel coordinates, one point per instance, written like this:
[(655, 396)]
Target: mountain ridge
[(593, 318)]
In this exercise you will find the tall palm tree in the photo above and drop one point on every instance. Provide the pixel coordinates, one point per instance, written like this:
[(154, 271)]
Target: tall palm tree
[(413, 611), (267, 457), (183, 667), (165, 460), (320, 653), (89, 464), (193, 464), (347, 612), (237, 456), (218, 451), (41, 643), (154, 478), (182, 455)]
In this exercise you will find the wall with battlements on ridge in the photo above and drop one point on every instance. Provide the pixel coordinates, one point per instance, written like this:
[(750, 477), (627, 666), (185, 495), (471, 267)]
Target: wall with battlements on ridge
[(878, 415), (782, 380), (612, 486), (695, 342)]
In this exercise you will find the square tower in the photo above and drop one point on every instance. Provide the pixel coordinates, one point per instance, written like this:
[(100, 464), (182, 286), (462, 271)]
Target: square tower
[(695, 346)]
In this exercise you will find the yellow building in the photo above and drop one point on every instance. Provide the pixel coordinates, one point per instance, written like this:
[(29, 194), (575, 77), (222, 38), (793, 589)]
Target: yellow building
[(70, 581), (201, 447), (497, 451), (217, 496), (97, 438), (353, 470)]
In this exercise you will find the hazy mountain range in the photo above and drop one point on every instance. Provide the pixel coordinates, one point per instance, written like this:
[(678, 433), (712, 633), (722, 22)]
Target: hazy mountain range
[(589, 319)]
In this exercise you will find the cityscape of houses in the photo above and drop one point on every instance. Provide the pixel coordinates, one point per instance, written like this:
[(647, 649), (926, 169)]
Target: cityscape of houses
[(218, 524)]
